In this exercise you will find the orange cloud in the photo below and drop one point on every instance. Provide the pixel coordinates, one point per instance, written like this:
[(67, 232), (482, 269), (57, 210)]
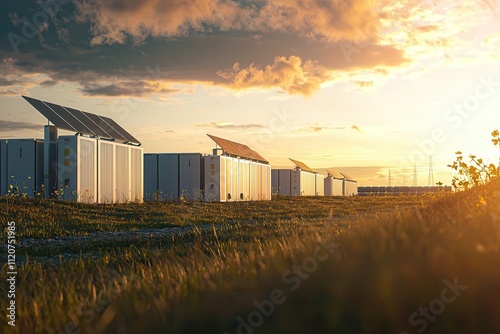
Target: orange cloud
[(332, 20), (360, 42), (138, 88), (440, 31), (15, 82), (292, 75), (112, 21)]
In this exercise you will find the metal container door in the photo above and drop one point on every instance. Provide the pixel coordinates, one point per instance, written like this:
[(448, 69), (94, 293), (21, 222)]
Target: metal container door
[(106, 175), (168, 176)]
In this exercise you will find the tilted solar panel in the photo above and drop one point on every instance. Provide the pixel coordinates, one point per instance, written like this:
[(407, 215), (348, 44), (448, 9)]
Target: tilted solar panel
[(70, 119), (82, 122), (106, 128), (335, 174), (347, 177), (50, 114), (302, 166), (126, 135), (237, 149), (87, 122)]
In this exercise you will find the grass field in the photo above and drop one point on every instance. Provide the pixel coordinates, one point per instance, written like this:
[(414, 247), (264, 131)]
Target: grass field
[(51, 218), (315, 265)]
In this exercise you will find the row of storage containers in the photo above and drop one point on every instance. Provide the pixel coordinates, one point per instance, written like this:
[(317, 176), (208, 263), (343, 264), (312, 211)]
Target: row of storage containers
[(100, 171), (87, 169), (90, 170), (215, 178), (296, 182)]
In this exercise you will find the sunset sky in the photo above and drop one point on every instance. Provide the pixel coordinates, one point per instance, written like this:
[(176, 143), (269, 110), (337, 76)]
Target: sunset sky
[(362, 86)]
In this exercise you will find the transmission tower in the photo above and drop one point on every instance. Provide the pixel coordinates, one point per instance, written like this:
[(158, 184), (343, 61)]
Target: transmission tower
[(390, 178), (431, 172)]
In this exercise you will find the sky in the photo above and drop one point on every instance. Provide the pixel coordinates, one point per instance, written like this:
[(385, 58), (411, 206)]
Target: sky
[(371, 88)]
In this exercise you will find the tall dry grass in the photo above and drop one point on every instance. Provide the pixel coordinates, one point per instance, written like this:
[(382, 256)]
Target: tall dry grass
[(381, 269)]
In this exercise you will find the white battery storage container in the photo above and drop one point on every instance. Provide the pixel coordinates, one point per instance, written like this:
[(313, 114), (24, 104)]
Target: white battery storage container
[(230, 179), (77, 169)]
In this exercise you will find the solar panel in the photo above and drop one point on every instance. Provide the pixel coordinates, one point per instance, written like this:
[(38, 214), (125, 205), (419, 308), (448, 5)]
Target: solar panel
[(52, 116), (87, 122), (335, 174), (347, 177), (127, 136), (237, 149), (96, 125), (104, 127), (68, 117), (302, 166), (81, 121)]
